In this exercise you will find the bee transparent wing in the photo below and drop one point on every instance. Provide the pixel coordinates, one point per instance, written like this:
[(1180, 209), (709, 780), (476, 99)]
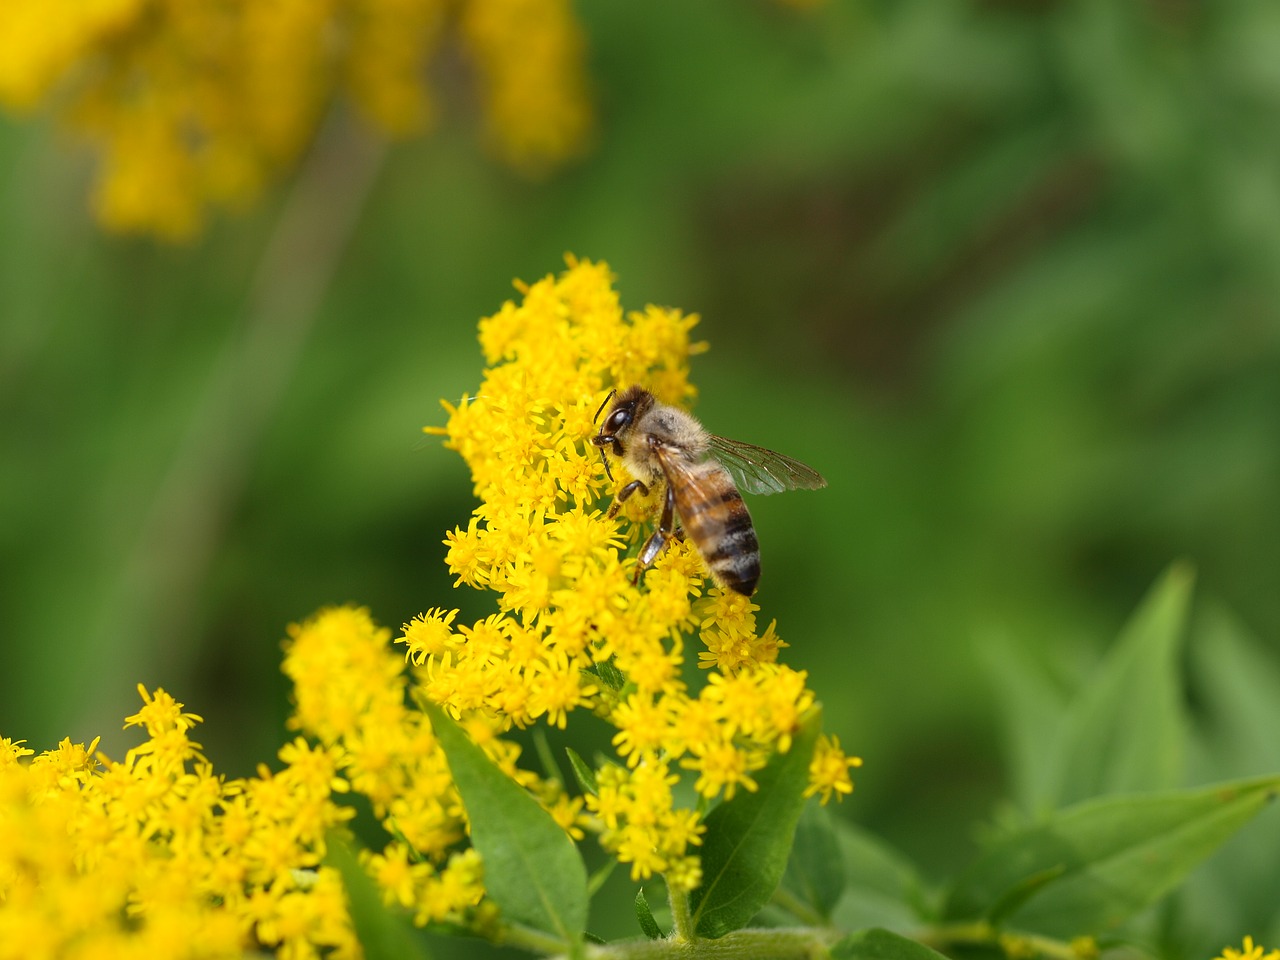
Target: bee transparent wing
[(762, 471), (694, 488)]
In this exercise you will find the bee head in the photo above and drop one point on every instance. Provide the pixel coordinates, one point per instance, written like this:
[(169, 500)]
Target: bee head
[(626, 407), (624, 411)]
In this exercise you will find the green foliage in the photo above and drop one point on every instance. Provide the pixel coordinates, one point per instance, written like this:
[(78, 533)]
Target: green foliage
[(1123, 731), (644, 916), (533, 871), (748, 838), (582, 771), (1005, 272), (1090, 867), (882, 888), (1045, 878), (383, 934), (816, 871), (877, 944), (1083, 869)]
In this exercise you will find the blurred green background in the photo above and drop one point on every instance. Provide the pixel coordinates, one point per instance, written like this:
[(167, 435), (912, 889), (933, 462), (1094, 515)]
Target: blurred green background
[(1007, 273)]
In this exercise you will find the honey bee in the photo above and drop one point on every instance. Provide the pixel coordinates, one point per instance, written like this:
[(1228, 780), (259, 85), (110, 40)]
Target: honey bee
[(660, 444)]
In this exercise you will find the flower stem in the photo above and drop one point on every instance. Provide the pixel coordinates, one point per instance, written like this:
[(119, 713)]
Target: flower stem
[(782, 943), (1012, 942), (797, 908), (681, 919)]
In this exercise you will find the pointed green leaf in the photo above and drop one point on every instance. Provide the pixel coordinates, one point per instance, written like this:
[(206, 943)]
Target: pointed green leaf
[(585, 775), (1125, 732), (1237, 683), (1096, 864), (815, 872), (610, 676), (1237, 692), (645, 916), (1022, 891), (748, 839), (1032, 708), (879, 944), (384, 934), (532, 870)]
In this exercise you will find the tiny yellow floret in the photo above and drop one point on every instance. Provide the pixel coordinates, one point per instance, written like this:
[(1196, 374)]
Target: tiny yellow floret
[(1250, 951)]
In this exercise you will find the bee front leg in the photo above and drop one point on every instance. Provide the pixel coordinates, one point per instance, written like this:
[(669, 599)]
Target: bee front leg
[(625, 493), (666, 530)]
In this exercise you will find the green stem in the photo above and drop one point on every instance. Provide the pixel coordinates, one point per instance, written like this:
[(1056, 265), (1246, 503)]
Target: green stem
[(782, 943), (529, 939), (681, 919), (797, 908), (1013, 942)]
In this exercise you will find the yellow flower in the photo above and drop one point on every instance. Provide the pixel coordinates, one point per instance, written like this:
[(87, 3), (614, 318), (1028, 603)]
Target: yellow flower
[(11, 751), (158, 856), (529, 55), (577, 629), (722, 767), (829, 772), (1251, 951), (197, 105)]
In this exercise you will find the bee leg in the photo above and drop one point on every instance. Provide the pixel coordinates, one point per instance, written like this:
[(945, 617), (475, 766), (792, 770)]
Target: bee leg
[(666, 530), (625, 493)]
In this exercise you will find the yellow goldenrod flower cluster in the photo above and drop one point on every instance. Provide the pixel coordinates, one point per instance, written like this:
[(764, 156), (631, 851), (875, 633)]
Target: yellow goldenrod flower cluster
[(349, 690), (156, 856), (574, 629), (200, 104)]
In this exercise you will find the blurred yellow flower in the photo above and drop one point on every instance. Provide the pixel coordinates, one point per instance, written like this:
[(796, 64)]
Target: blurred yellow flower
[(193, 105), (1251, 951)]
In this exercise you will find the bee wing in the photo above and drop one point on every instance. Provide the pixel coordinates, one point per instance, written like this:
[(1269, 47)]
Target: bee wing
[(759, 470)]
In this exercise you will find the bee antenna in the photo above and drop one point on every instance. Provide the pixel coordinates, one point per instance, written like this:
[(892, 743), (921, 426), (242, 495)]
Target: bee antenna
[(603, 405)]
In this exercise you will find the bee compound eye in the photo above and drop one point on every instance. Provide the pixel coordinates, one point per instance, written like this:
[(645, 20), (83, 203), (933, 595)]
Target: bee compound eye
[(617, 420)]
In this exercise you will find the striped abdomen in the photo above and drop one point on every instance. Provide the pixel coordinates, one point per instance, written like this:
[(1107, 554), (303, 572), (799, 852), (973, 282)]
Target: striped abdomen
[(714, 515)]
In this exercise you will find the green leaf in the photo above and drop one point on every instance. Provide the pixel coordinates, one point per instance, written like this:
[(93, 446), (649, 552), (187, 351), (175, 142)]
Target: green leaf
[(879, 944), (532, 870), (1032, 708), (611, 676), (1096, 864), (645, 916), (1125, 732), (585, 775), (1237, 693), (815, 872), (1237, 686), (882, 887), (384, 934), (748, 838)]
